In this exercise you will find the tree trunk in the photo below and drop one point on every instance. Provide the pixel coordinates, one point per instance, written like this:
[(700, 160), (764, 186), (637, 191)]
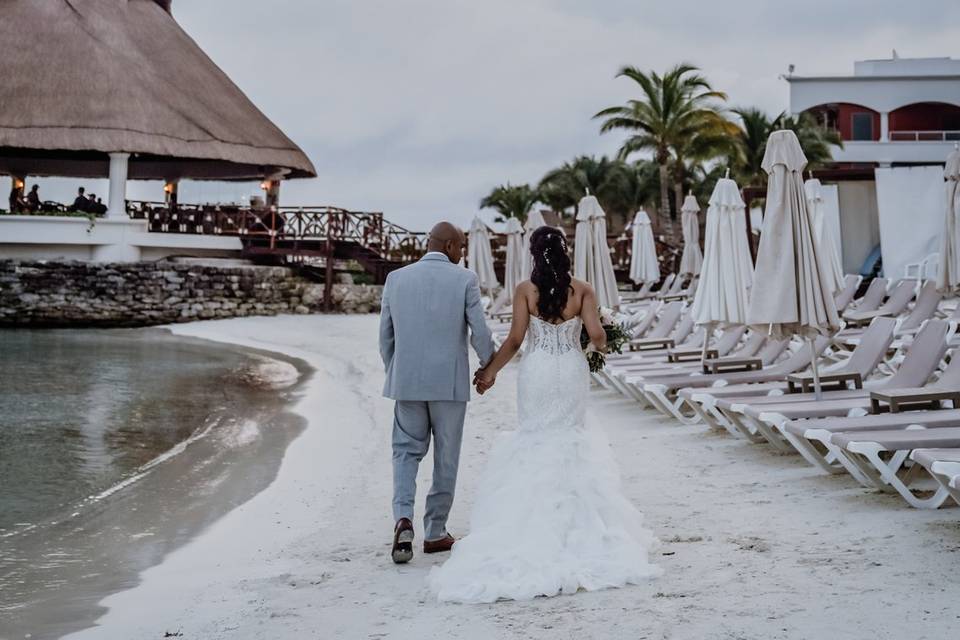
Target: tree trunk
[(667, 227)]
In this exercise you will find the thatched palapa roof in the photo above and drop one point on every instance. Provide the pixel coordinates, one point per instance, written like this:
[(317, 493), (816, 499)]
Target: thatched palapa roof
[(82, 78)]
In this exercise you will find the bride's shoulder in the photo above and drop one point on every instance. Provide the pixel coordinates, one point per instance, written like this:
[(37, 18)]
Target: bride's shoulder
[(581, 286), (526, 287)]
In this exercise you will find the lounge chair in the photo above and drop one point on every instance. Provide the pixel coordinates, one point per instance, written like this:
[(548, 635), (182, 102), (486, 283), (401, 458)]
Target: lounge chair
[(926, 307), (812, 438), (675, 287), (880, 456), (711, 404), (640, 322), (634, 370), (666, 321), (684, 294), (895, 304), (659, 388), (872, 297), (766, 417), (639, 294), (651, 293), (943, 465), (844, 296)]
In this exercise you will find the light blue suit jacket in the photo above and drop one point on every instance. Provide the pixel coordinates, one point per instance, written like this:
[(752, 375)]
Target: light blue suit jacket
[(426, 310)]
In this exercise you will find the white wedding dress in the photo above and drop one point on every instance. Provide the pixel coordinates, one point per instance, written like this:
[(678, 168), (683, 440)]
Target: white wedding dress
[(549, 516)]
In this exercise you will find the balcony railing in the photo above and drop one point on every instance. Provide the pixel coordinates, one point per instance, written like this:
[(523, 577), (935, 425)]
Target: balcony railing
[(924, 136)]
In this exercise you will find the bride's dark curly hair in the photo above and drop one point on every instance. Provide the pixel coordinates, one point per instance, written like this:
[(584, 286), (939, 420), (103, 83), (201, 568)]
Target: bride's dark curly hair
[(551, 272)]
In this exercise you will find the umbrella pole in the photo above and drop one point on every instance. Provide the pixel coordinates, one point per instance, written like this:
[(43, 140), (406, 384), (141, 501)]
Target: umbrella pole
[(817, 391), (706, 343)]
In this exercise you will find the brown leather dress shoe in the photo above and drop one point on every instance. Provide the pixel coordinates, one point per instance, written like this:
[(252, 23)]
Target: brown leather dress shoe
[(402, 541), (439, 546)]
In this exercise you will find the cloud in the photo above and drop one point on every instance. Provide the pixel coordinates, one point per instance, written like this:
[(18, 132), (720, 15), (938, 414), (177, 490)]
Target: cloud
[(418, 108)]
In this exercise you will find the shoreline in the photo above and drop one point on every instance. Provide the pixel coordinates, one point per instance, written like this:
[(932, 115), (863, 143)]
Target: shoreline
[(756, 545), (67, 561)]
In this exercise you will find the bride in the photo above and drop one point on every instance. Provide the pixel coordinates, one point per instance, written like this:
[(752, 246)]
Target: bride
[(549, 517)]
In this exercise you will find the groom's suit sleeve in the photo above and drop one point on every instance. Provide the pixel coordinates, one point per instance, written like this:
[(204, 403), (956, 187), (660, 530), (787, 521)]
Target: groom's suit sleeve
[(386, 326), (480, 336)]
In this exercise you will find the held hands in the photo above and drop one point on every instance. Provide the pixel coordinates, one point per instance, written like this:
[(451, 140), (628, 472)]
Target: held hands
[(483, 380)]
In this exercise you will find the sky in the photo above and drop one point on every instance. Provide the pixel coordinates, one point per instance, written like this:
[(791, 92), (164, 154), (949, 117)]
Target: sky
[(417, 108)]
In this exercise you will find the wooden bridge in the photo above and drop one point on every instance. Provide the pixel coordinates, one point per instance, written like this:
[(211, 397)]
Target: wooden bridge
[(316, 238)]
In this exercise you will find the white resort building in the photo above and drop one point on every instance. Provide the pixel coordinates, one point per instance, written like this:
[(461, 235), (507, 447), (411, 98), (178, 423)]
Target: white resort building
[(898, 118)]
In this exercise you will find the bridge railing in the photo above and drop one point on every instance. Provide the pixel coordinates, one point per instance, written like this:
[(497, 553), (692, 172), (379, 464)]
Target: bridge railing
[(319, 223)]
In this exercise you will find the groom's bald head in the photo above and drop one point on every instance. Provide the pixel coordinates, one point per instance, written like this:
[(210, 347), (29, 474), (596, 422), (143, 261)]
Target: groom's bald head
[(448, 239)]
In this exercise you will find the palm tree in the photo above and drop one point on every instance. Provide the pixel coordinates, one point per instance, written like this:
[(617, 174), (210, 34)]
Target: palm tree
[(717, 139), (672, 109), (563, 187), (751, 142), (636, 187), (511, 201)]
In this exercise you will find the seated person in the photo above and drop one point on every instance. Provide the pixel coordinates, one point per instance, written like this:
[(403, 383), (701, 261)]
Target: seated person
[(33, 198), (81, 203), (95, 205)]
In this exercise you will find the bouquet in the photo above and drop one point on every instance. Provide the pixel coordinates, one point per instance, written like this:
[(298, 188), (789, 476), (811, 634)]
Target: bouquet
[(617, 336)]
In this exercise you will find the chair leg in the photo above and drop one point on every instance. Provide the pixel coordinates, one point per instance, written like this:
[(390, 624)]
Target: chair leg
[(744, 425), (869, 452), (771, 426), (805, 446)]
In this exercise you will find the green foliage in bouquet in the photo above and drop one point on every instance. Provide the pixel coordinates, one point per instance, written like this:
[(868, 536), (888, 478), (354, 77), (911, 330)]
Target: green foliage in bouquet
[(617, 336)]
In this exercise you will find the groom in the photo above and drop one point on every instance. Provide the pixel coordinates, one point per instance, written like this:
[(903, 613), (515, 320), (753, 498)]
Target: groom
[(426, 310)]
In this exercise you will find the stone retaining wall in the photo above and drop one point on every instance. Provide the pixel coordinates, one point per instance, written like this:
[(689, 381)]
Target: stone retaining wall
[(147, 293)]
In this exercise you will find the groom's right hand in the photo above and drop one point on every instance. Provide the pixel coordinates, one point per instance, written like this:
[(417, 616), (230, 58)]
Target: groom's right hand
[(483, 380)]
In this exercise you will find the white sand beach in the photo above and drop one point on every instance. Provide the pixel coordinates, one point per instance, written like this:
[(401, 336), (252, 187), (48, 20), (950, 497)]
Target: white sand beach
[(756, 545)]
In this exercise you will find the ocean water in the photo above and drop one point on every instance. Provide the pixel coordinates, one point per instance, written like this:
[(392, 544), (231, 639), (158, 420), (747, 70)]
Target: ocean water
[(116, 446), (81, 410)]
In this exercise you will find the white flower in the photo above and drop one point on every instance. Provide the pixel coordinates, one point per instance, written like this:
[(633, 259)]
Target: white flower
[(607, 315)]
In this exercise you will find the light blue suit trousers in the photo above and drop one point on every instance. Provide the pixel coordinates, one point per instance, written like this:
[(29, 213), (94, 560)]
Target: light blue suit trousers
[(413, 423)]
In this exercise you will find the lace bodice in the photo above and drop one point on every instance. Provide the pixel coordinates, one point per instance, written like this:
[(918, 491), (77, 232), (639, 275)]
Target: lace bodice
[(554, 377), (555, 339)]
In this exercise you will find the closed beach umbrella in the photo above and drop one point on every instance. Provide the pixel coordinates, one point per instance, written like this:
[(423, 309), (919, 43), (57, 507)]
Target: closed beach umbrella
[(827, 247), (643, 254), (722, 299), (583, 263), (791, 294), (948, 271), (534, 221), (480, 256), (513, 272), (692, 258), (601, 274)]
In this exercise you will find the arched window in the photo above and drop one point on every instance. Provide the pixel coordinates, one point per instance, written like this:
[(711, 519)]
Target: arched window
[(925, 122), (851, 121)]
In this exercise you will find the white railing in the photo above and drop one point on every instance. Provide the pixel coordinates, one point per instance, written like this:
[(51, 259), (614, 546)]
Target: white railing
[(924, 136)]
